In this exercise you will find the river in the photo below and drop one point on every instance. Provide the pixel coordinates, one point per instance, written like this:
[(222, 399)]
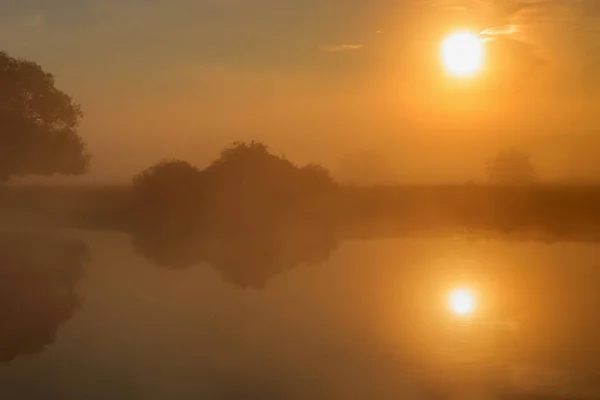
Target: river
[(366, 323)]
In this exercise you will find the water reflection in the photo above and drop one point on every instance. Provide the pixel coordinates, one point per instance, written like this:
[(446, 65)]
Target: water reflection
[(367, 324), (539, 314), (38, 275), (245, 258), (535, 330)]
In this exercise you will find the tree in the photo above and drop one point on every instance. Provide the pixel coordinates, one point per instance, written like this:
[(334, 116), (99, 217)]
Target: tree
[(511, 167), (166, 198), (38, 123), (317, 176), (250, 214), (167, 212)]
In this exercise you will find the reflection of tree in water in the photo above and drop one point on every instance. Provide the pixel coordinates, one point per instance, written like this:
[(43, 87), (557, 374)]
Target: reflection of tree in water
[(250, 214), (37, 294), (245, 259)]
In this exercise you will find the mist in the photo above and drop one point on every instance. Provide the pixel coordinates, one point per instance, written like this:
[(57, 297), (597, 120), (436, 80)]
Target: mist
[(238, 199), (383, 92)]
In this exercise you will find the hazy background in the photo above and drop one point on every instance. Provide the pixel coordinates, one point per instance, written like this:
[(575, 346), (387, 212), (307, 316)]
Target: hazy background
[(330, 81)]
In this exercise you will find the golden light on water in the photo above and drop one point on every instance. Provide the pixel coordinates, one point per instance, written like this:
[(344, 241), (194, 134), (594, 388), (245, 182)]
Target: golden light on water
[(462, 302), (462, 54)]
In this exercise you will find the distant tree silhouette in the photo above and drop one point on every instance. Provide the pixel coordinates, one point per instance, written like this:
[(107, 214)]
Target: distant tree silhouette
[(37, 294), (511, 167), (166, 209), (251, 189), (250, 214), (38, 123), (316, 176)]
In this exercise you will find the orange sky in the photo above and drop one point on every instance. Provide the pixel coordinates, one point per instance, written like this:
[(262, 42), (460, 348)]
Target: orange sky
[(319, 80)]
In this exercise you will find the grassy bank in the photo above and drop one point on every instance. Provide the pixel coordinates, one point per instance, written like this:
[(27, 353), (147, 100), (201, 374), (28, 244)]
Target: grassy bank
[(559, 211), (82, 206), (553, 211)]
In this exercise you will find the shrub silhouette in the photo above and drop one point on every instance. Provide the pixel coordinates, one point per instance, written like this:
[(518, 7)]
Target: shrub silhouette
[(39, 123), (166, 196), (249, 214), (166, 211), (511, 167), (37, 290)]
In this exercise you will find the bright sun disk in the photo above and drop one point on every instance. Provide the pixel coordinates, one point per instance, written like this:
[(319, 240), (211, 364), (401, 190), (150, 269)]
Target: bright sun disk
[(462, 302), (462, 54)]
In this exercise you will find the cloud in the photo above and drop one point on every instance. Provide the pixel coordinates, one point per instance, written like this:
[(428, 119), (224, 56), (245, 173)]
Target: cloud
[(333, 48), (500, 30), (520, 11), (450, 5)]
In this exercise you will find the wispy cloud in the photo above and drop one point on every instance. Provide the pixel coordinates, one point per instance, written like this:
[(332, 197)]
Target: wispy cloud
[(500, 30), (333, 48), (451, 5), (520, 11)]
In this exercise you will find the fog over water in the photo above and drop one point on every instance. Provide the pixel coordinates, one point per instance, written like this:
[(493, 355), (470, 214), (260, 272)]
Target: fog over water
[(362, 323)]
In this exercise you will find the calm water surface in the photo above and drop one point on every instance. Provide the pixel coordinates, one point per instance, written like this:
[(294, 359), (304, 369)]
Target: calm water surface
[(362, 325)]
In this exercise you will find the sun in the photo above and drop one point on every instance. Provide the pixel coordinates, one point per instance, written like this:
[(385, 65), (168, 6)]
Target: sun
[(462, 302), (462, 54)]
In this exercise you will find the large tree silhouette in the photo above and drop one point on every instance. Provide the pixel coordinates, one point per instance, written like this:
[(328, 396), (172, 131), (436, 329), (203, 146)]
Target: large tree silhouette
[(38, 123)]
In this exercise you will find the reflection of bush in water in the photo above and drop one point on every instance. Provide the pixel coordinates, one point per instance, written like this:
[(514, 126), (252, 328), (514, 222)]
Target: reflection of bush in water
[(37, 279), (250, 214), (244, 260)]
